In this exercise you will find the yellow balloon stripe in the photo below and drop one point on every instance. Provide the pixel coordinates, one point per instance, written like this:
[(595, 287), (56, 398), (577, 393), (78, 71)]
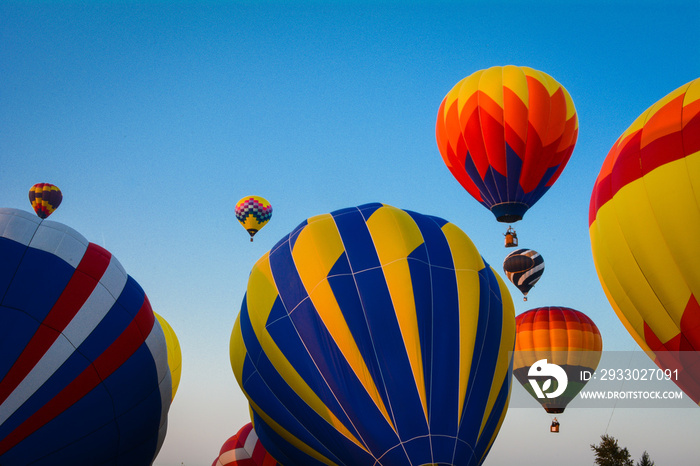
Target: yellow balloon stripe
[(502, 370), (396, 236), (314, 265), (467, 262), (491, 83)]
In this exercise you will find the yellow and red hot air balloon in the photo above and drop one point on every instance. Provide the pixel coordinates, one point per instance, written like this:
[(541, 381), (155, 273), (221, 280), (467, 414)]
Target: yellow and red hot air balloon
[(644, 219), (45, 199), (253, 212), (506, 134), (558, 335)]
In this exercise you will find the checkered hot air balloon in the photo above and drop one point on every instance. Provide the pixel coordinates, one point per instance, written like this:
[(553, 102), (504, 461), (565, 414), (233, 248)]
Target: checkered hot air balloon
[(524, 267), (253, 212), (506, 133), (644, 220), (375, 336), (45, 199), (84, 375)]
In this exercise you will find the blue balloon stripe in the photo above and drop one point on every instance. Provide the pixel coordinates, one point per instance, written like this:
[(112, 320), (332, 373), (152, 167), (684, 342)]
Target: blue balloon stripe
[(443, 337), (345, 291), (514, 166), (46, 443), (357, 240), (541, 188), (336, 384), (291, 289), (56, 382), (423, 299), (488, 198), (32, 295), (486, 350), (16, 329), (348, 388), (492, 424), (11, 253), (397, 376), (287, 453), (260, 378)]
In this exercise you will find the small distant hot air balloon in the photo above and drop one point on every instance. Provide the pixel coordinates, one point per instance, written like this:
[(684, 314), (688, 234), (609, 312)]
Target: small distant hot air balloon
[(644, 220), (253, 212), (506, 134), (174, 352), (524, 267), (548, 336), (244, 449), (45, 199)]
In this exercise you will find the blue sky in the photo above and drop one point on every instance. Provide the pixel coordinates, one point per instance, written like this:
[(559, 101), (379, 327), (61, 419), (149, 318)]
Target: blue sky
[(154, 118)]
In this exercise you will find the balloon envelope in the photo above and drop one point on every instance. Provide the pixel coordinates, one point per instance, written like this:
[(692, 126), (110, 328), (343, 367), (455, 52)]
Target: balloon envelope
[(45, 198), (83, 373), (174, 352), (524, 267), (253, 212), (563, 336), (643, 221), (244, 449), (374, 335), (506, 134)]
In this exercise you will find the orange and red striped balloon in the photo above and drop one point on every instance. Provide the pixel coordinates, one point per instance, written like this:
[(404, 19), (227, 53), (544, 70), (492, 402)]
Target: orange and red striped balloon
[(563, 336), (644, 221)]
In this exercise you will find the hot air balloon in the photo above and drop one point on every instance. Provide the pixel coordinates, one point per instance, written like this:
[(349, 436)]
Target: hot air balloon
[(374, 335), (83, 374), (643, 221), (523, 267), (506, 133), (555, 335), (174, 352), (45, 198), (244, 449), (253, 212)]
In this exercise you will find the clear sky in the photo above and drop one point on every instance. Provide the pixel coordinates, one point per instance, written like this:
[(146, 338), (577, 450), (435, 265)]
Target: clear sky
[(154, 118)]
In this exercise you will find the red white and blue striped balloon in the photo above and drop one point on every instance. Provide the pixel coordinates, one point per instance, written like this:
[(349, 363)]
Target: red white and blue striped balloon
[(84, 378)]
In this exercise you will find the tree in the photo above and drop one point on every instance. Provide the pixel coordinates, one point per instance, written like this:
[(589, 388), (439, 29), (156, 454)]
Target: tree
[(645, 461), (609, 453)]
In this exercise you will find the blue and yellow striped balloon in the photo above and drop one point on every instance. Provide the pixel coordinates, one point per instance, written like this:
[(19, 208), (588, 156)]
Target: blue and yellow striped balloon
[(375, 336)]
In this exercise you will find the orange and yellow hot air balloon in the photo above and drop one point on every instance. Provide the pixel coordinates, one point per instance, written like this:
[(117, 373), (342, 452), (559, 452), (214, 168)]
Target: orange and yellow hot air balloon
[(562, 336), (506, 134), (45, 199), (644, 220)]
